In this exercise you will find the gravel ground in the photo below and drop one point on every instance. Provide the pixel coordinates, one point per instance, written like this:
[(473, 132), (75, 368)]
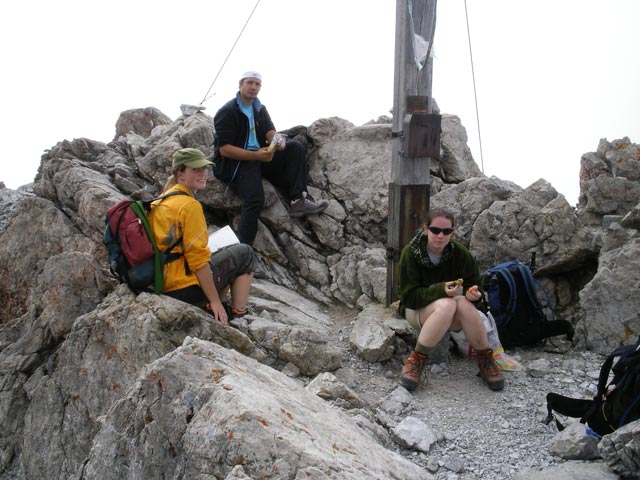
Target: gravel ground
[(481, 433)]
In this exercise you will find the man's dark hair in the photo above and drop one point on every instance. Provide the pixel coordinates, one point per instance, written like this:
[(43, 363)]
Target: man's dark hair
[(439, 212)]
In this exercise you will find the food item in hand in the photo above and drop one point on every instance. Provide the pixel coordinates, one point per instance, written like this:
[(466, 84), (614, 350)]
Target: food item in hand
[(459, 282)]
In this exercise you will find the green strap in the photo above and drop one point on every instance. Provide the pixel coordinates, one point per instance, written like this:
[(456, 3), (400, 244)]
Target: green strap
[(158, 277), (140, 208)]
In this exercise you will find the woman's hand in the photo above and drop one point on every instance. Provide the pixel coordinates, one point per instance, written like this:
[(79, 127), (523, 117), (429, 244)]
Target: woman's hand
[(218, 312), (453, 289), (473, 294)]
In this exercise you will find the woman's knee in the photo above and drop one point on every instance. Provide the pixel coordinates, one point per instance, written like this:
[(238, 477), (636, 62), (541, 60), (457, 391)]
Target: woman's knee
[(445, 308), (447, 305), (466, 309), (245, 258)]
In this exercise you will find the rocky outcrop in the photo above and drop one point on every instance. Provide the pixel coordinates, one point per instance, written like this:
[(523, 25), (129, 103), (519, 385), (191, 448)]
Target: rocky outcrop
[(196, 410), (620, 450), (609, 180), (96, 381), (140, 121)]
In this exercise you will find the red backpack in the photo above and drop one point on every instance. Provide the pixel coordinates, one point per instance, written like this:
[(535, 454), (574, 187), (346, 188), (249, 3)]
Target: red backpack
[(134, 256)]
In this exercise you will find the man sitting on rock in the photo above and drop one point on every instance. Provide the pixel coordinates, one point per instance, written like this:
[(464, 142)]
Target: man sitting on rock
[(247, 148), (439, 292)]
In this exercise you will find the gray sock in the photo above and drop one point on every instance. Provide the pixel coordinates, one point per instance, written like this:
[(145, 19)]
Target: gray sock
[(422, 350)]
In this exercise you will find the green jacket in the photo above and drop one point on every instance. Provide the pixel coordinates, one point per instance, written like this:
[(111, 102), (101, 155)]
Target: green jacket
[(421, 282)]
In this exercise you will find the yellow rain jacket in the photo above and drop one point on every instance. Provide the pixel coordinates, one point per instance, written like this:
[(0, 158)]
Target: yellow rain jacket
[(181, 216)]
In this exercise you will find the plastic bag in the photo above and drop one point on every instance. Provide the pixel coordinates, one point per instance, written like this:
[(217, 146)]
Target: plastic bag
[(504, 361), (278, 140)]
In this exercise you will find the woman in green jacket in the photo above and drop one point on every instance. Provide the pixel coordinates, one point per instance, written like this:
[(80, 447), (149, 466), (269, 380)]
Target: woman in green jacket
[(439, 293)]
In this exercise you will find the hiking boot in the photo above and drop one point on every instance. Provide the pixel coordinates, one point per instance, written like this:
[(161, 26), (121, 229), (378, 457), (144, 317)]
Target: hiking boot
[(489, 371), (307, 206), (237, 313), (233, 312), (413, 371)]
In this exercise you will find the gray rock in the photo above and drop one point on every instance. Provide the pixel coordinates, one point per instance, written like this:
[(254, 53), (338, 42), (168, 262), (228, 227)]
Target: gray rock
[(140, 121), (193, 411), (371, 338), (397, 401), (328, 387), (574, 443), (538, 368), (620, 450), (611, 312), (414, 433)]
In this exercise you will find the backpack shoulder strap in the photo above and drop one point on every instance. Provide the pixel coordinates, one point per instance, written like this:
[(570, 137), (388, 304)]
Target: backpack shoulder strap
[(621, 353), (532, 286), (147, 203), (162, 197), (502, 270)]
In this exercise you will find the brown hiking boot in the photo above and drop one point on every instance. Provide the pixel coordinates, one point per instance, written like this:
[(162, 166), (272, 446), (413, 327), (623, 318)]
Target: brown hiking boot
[(413, 371), (489, 371)]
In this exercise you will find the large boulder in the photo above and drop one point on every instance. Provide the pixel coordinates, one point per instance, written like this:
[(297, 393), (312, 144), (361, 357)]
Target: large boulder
[(100, 359), (611, 310), (140, 121), (197, 410), (609, 180)]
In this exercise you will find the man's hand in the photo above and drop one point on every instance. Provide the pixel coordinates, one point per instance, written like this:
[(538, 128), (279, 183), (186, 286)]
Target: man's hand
[(264, 154)]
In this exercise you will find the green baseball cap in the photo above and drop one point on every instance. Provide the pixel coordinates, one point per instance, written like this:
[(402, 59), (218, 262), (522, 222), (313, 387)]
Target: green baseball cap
[(191, 157)]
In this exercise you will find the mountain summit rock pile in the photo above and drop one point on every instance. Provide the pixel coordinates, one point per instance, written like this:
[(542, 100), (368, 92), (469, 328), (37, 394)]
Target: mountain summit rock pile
[(97, 383)]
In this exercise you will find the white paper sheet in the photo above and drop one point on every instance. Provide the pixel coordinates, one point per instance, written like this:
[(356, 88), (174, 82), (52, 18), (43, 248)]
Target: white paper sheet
[(222, 238)]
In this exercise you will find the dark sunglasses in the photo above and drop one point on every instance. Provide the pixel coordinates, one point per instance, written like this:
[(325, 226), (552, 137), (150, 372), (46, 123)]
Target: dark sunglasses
[(438, 231)]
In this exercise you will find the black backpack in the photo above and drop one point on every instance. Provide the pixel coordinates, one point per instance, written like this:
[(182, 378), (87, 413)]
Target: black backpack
[(616, 403), (512, 296)]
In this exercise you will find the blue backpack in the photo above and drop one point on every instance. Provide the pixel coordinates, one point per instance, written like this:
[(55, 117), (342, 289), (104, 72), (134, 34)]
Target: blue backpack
[(513, 298)]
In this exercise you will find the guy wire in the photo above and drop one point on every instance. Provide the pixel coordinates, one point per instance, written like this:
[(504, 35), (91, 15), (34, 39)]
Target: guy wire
[(473, 76), (206, 95)]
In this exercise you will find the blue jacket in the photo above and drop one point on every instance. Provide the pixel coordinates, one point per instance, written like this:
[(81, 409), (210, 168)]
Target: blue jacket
[(232, 128)]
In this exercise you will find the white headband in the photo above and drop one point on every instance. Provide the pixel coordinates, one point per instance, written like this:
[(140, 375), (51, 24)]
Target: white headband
[(251, 74)]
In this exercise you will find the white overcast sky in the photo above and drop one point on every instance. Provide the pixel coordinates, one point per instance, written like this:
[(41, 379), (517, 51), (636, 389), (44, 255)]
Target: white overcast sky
[(553, 77)]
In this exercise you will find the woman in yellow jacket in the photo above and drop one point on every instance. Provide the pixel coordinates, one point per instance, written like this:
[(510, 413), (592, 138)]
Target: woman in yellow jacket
[(198, 277)]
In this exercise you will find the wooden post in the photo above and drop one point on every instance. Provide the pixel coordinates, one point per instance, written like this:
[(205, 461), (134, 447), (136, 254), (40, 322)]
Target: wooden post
[(415, 130)]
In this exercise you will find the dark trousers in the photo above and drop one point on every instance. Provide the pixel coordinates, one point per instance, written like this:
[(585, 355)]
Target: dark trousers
[(287, 172)]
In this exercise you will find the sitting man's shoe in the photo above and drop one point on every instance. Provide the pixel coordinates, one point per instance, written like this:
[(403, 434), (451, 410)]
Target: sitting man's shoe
[(413, 371), (489, 371), (306, 206)]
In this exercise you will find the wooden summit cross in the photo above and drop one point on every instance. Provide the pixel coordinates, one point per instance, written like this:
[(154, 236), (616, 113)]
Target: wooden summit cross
[(415, 130)]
